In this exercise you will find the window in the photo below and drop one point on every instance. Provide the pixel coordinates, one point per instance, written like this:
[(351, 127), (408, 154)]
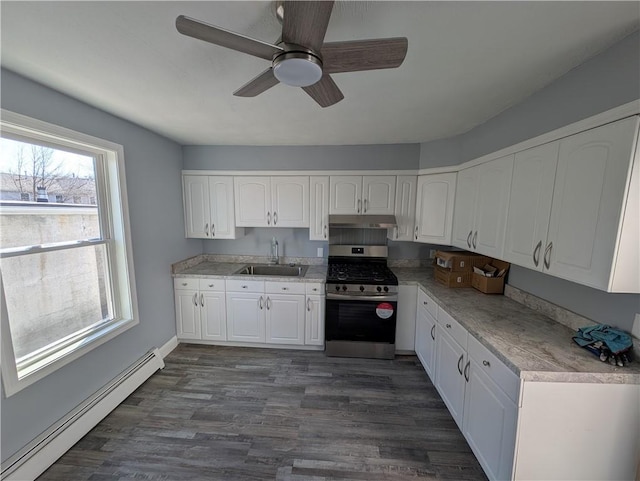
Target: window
[(66, 275)]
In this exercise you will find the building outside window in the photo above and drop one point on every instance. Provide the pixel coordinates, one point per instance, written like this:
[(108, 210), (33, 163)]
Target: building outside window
[(66, 274)]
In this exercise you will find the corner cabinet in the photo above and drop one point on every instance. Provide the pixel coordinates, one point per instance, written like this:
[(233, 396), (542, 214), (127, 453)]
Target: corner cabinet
[(575, 208), (277, 201), (356, 194), (481, 205), (200, 309), (434, 208), (209, 208), (405, 208)]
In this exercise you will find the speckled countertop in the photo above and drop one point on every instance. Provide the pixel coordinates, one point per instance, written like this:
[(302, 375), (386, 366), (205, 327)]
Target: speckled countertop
[(534, 346)]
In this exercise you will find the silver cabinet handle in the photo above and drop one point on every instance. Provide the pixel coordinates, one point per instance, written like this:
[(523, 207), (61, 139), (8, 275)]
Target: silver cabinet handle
[(202, 300), (416, 232), (547, 255), (285, 288), (469, 239), (275, 218), (213, 232), (433, 332), (396, 230), (460, 362), (486, 363), (466, 371), (268, 218), (359, 205), (425, 302), (210, 285), (448, 326), (268, 303), (308, 304), (206, 229), (536, 254), (325, 231), (184, 283), (195, 299), (365, 206), (260, 302), (244, 287), (475, 237)]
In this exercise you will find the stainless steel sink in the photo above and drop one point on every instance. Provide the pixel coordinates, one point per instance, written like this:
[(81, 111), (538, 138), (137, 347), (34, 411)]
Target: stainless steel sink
[(273, 270)]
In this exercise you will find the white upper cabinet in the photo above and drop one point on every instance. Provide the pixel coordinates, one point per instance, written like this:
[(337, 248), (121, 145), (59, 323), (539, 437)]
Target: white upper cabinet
[(355, 194), (434, 208), (209, 208), (482, 201), (405, 209), (319, 208), (573, 211), (593, 228), (281, 201)]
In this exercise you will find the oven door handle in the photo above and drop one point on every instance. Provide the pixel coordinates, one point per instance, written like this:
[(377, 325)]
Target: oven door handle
[(361, 298)]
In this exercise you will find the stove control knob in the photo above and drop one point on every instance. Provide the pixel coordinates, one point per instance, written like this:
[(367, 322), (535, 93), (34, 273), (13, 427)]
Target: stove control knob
[(361, 288), (337, 288), (344, 288), (386, 289), (379, 288)]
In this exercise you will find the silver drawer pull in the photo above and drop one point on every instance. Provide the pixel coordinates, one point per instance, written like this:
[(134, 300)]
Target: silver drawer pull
[(448, 326), (486, 363), (244, 287), (424, 302), (285, 288), (210, 285), (184, 283)]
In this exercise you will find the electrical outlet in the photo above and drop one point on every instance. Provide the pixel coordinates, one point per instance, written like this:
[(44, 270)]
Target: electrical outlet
[(635, 330), (432, 253), (320, 252)]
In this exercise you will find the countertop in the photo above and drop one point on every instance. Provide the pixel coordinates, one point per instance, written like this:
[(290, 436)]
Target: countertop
[(532, 345)]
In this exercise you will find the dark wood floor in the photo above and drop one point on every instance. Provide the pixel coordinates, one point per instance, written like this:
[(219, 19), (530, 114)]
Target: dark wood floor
[(222, 413)]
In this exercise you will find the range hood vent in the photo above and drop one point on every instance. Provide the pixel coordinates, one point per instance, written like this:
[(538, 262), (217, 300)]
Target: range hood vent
[(363, 221)]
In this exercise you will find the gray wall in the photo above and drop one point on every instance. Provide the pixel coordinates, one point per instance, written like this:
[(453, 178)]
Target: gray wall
[(319, 157), (608, 80), (153, 166)]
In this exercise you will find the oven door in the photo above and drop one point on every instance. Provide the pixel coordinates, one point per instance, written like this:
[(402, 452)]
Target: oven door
[(361, 320)]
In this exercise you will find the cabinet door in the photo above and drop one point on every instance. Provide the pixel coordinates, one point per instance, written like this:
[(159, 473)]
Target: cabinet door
[(591, 180), (314, 321), (253, 201), (213, 315), (345, 194), (245, 317), (450, 359), (285, 319), (434, 211), (187, 314), (406, 319), (378, 194), (290, 201), (464, 207), (197, 216), (534, 171), (494, 185), (426, 340), (489, 423), (405, 208), (319, 208), (223, 223)]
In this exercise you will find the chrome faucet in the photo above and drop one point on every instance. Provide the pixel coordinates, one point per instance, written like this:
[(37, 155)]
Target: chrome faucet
[(274, 251)]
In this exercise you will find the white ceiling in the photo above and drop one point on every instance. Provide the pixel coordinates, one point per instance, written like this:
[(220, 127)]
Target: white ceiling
[(467, 62)]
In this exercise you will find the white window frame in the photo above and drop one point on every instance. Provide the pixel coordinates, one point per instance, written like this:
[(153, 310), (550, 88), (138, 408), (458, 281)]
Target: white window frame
[(114, 218)]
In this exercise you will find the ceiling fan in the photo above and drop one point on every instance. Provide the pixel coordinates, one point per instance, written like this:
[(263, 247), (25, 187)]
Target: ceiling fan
[(300, 57)]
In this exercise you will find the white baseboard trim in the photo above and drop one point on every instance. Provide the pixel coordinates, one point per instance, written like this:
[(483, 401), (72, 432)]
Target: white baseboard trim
[(43, 451), (168, 346)]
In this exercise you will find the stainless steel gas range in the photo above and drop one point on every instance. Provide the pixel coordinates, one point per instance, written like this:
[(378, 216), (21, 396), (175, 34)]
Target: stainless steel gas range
[(361, 303)]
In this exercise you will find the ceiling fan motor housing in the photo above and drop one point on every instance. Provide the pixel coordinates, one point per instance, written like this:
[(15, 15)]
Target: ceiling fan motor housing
[(297, 66)]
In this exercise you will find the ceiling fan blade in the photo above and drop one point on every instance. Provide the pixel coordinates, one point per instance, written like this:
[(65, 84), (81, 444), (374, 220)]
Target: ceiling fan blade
[(305, 23), (357, 55), (226, 38), (257, 85), (325, 91)]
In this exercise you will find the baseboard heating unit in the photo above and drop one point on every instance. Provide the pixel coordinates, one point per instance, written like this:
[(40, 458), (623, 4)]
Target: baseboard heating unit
[(43, 451)]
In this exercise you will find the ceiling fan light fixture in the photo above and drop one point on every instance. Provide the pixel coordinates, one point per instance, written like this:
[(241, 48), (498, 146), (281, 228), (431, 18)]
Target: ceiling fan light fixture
[(297, 69)]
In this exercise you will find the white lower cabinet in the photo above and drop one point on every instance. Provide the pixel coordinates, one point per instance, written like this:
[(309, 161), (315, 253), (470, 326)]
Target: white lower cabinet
[(285, 319), (245, 316), (450, 359), (426, 312), (314, 315), (200, 309), (406, 319), (187, 314)]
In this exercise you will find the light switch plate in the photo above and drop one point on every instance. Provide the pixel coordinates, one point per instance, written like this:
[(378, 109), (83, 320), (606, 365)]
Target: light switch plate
[(320, 252)]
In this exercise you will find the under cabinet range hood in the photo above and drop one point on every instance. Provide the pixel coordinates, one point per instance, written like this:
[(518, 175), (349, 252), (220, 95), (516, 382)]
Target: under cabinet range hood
[(363, 221)]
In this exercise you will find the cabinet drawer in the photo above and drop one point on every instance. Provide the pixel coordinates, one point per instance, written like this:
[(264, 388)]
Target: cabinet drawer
[(453, 327), (427, 303), (284, 287), (316, 289), (245, 286), (185, 283), (212, 285), (504, 377)]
